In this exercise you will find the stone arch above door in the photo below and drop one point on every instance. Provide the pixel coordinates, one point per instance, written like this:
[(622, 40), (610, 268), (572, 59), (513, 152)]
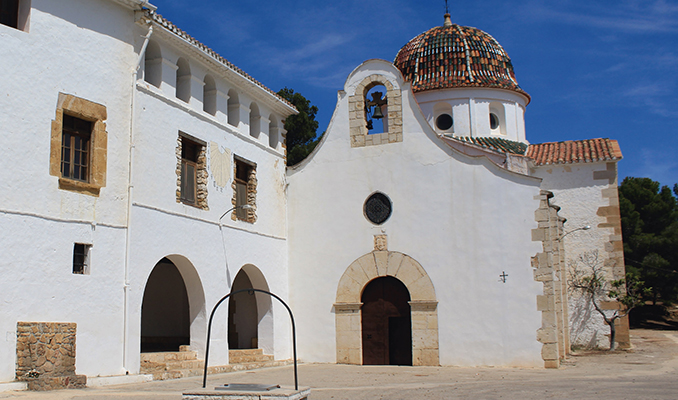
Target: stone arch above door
[(423, 306)]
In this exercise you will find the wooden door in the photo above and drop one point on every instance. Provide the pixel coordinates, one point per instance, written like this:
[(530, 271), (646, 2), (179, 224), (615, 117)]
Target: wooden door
[(386, 323)]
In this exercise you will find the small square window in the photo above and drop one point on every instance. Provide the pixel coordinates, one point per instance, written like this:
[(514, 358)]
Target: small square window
[(81, 258)]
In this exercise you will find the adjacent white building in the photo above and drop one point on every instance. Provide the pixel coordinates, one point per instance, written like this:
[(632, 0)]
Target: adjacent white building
[(144, 178)]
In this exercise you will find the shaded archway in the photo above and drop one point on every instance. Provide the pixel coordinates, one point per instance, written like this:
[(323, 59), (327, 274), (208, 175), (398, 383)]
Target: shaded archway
[(165, 311), (250, 315), (423, 305), (386, 323)]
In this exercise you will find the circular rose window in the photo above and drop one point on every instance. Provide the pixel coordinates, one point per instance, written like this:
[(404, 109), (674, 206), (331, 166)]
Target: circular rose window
[(378, 208)]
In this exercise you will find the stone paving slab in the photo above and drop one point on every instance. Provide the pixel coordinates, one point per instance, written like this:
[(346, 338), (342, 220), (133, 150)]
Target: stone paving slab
[(647, 371)]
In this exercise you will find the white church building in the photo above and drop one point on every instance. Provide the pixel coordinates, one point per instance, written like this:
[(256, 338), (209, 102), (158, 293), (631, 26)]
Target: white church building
[(424, 229)]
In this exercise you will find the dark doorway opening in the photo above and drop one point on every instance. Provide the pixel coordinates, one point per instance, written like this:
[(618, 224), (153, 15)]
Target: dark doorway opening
[(165, 318), (386, 323), (243, 315)]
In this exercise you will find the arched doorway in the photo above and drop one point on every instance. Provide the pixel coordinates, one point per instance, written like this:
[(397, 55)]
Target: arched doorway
[(386, 323), (422, 302), (165, 311), (250, 314)]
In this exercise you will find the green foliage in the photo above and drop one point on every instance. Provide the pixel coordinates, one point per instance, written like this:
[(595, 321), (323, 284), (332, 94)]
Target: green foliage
[(301, 128), (649, 215)]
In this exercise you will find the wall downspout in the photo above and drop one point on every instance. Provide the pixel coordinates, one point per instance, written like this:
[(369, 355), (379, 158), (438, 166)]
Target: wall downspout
[(130, 190)]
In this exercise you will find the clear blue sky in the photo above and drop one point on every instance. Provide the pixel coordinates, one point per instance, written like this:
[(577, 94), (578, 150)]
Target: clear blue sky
[(593, 68)]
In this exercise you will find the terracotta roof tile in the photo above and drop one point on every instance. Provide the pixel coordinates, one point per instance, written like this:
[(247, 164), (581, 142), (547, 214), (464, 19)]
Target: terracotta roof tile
[(456, 56), (574, 151)]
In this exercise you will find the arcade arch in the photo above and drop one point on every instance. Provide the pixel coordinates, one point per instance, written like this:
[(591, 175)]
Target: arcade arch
[(173, 307), (250, 315)]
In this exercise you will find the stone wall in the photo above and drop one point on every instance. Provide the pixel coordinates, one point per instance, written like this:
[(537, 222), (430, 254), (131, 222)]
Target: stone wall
[(45, 354)]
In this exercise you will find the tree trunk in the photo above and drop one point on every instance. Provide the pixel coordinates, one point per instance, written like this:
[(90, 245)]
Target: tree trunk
[(613, 333)]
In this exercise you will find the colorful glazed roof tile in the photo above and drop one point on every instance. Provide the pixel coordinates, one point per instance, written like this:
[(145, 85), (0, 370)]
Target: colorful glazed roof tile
[(574, 151), (190, 39), (453, 56), (496, 144)]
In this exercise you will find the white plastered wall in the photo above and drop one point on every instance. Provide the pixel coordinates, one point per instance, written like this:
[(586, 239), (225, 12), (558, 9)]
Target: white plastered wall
[(580, 196), (41, 222), (463, 219), (160, 226), (471, 109)]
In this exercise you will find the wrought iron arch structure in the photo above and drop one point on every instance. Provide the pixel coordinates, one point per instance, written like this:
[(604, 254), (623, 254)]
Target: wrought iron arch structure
[(294, 332)]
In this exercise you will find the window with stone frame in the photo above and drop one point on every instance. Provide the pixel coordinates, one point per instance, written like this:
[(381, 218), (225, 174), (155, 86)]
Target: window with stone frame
[(244, 190), (78, 149), (191, 173)]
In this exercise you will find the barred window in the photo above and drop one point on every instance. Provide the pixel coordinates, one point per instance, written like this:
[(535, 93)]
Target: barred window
[(75, 153)]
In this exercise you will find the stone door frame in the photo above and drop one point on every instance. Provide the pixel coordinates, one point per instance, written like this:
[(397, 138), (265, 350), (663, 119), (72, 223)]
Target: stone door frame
[(423, 305)]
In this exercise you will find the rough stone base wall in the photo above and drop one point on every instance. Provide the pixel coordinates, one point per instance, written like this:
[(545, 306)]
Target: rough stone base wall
[(45, 353), (57, 382)]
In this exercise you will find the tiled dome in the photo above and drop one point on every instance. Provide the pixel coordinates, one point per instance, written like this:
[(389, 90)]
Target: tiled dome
[(453, 56)]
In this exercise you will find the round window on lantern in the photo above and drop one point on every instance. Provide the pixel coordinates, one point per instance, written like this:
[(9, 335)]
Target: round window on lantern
[(494, 121), (378, 208), (444, 122)]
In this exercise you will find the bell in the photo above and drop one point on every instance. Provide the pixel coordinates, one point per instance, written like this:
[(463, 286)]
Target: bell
[(378, 114)]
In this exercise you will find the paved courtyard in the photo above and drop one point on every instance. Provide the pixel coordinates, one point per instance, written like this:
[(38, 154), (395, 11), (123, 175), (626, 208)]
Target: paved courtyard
[(648, 371)]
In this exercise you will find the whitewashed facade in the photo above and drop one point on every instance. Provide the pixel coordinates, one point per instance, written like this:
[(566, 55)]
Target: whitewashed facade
[(133, 217), (133, 243)]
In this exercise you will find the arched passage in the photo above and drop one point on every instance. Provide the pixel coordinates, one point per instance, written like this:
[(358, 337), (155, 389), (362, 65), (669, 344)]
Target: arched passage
[(173, 308), (165, 321), (423, 305), (250, 315)]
